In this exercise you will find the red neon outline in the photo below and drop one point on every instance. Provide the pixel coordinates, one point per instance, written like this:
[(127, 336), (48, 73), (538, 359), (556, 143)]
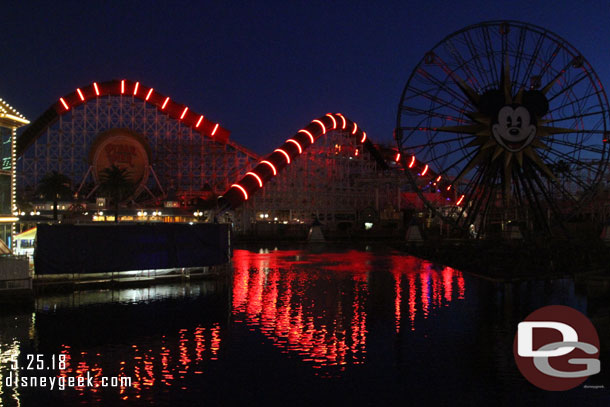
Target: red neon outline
[(425, 170), (184, 112), (215, 128), (165, 103), (343, 119), (296, 143), (149, 93), (242, 190), (135, 88), (321, 124), (97, 91), (123, 86), (363, 139), (199, 121), (260, 181), (80, 94), (283, 152), (449, 187), (459, 200), (438, 178), (333, 119), (63, 102), (355, 128), (412, 163), (397, 159), (270, 165), (308, 133)]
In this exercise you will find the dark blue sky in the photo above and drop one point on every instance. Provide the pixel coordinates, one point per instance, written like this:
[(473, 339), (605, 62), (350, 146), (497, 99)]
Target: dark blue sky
[(261, 69)]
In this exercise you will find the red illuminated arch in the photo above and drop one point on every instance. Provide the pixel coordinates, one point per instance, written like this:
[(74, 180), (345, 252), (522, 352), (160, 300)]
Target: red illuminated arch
[(66, 103), (292, 148)]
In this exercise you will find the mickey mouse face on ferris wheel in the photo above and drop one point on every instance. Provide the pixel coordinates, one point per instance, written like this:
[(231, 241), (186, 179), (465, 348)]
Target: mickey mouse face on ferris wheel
[(514, 129)]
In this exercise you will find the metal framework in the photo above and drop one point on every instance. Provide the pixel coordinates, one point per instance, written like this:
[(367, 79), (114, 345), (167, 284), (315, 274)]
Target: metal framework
[(502, 114), (184, 160)]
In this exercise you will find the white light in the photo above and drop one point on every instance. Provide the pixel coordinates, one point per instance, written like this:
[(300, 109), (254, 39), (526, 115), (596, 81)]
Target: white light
[(266, 215), (145, 213), (139, 213), (37, 213), (275, 219)]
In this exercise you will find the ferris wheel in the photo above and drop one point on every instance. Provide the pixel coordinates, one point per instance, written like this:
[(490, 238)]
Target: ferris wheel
[(504, 122)]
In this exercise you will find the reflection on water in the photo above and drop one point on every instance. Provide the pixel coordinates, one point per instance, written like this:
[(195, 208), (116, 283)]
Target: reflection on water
[(295, 325), (315, 304)]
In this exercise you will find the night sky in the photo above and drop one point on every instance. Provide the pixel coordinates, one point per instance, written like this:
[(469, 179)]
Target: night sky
[(261, 69)]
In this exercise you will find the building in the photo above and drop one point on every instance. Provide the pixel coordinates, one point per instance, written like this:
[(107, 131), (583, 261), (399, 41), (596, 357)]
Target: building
[(10, 121)]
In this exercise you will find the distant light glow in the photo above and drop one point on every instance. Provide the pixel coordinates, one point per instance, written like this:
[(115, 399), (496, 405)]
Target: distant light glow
[(333, 119), (165, 103), (135, 88), (199, 121), (184, 113), (149, 93), (296, 143), (215, 129), (460, 200), (425, 170), (63, 102), (412, 163), (260, 181), (123, 86), (242, 190), (97, 91), (285, 154), (308, 133), (363, 139), (270, 165), (438, 178), (449, 187), (321, 125), (355, 128), (80, 94), (397, 159)]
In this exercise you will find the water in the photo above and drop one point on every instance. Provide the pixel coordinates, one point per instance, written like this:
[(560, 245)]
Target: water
[(293, 326)]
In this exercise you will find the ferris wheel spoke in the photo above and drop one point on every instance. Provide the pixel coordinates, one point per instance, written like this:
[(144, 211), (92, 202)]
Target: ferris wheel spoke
[(490, 51), (534, 57), (434, 143), (464, 66), (568, 87), (576, 116), (578, 147), (455, 152), (444, 87), (474, 54), (433, 114), (441, 102), (546, 67), (519, 55), (574, 102)]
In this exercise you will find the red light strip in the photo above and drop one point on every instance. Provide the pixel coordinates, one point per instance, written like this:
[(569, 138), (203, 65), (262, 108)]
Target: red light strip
[(295, 143), (449, 187), (460, 200), (165, 103), (97, 91), (425, 170), (397, 157), (412, 163), (355, 128), (123, 86), (63, 102), (242, 190), (333, 119), (285, 154), (438, 178), (343, 119), (149, 93), (135, 88), (199, 121), (270, 165), (215, 128), (321, 124), (308, 133), (184, 113), (260, 181), (363, 139), (80, 94)]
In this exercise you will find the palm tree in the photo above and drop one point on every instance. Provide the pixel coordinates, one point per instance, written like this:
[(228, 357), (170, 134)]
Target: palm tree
[(54, 186), (116, 184)]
